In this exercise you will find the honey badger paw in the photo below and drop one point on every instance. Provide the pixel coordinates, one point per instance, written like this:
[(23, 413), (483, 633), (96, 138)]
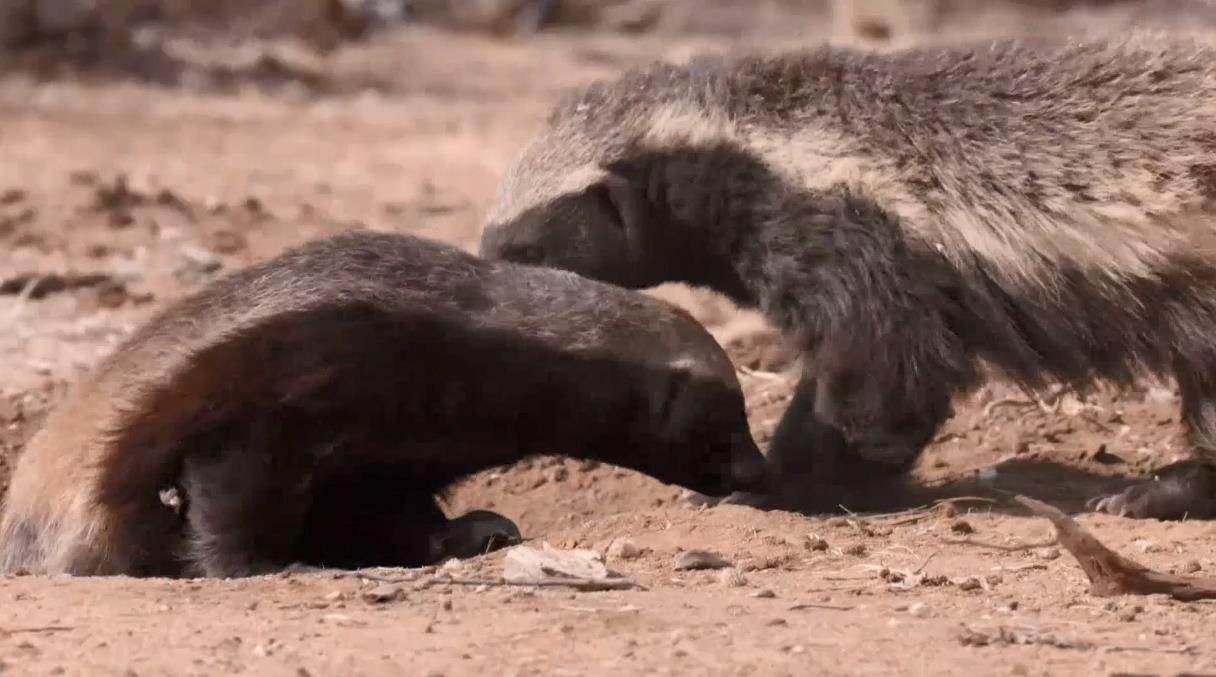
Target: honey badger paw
[(1183, 490), (813, 495), (474, 533)]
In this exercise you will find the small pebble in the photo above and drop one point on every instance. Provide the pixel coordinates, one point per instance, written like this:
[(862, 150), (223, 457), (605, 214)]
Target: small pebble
[(384, 593), (968, 583), (816, 544), (623, 548), (857, 549), (691, 560), (732, 577), (334, 596), (761, 564), (962, 527), (920, 610), (9, 411), (1192, 567), (1049, 553), (1147, 545), (764, 593), (12, 196), (696, 500), (339, 619), (196, 264)]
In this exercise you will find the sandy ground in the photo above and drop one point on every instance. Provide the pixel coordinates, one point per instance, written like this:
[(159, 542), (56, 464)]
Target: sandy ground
[(154, 189)]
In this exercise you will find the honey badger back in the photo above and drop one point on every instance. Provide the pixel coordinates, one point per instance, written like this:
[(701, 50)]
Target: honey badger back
[(1044, 206), (309, 408)]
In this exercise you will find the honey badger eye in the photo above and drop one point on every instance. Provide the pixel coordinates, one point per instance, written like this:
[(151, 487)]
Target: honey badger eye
[(529, 253)]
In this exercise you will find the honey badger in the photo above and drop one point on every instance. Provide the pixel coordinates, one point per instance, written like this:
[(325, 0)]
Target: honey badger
[(1043, 206), (307, 409)]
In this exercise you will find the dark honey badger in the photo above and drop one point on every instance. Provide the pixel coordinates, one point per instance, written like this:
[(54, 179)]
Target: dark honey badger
[(1045, 207), (307, 409)]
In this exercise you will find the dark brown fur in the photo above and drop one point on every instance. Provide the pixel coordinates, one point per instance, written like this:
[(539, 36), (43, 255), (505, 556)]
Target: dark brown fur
[(1042, 206), (310, 407)]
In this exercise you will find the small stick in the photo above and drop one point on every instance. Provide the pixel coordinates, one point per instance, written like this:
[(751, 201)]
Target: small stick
[(584, 584), (1007, 401), (44, 628), (1003, 548), (920, 508), (813, 605), (23, 298), (925, 563), (1184, 649)]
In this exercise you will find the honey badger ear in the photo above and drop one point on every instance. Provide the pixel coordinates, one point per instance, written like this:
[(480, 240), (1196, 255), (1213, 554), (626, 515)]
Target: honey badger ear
[(616, 197)]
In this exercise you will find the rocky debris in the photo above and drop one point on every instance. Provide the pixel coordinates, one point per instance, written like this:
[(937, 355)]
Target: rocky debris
[(583, 569)]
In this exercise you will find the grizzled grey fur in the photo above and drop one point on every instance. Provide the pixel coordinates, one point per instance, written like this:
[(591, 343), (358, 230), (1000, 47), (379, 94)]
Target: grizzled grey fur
[(1042, 206)]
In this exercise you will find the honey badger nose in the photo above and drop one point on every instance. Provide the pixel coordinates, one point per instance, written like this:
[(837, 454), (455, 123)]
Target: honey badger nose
[(749, 469)]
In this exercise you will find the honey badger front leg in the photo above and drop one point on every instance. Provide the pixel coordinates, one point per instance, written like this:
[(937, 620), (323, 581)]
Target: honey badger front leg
[(1186, 488), (862, 413)]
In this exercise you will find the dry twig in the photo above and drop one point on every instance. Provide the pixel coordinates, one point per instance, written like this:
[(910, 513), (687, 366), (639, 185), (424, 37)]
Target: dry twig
[(1110, 573), (814, 605), (5, 632), (585, 585), (1003, 548)]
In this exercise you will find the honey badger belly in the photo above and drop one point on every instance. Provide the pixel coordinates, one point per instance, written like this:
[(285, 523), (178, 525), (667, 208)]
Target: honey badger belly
[(309, 408), (1045, 207)]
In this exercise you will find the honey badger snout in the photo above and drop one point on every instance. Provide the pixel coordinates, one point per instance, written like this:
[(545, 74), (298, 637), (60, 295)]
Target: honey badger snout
[(701, 415), (749, 470)]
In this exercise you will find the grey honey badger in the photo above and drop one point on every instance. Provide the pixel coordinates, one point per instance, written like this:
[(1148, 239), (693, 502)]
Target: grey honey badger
[(1042, 206)]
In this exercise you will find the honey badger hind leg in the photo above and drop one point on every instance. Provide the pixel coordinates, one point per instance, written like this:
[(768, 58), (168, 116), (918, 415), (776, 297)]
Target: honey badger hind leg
[(1185, 489), (474, 533), (375, 517), (243, 510)]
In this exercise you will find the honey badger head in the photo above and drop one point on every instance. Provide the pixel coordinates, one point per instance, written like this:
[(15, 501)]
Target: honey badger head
[(576, 218), (574, 199)]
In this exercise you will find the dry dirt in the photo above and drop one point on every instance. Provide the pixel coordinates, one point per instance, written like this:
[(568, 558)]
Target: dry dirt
[(152, 189)]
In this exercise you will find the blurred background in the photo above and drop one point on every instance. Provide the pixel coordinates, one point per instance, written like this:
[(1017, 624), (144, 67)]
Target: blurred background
[(138, 37)]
